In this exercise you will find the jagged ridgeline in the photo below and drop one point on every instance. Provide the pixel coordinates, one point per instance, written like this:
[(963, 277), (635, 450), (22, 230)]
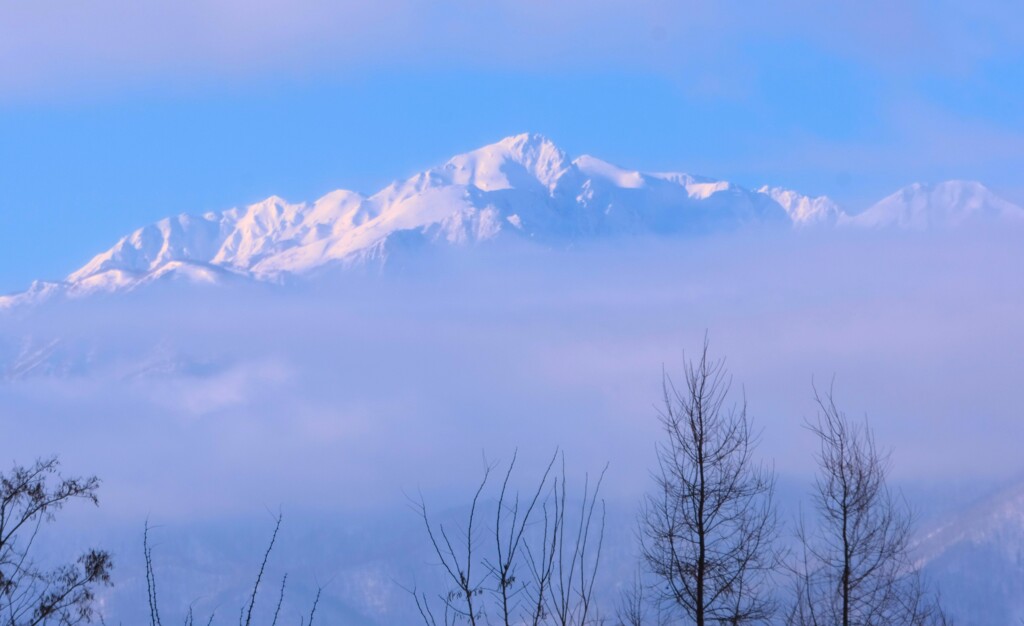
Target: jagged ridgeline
[(521, 188)]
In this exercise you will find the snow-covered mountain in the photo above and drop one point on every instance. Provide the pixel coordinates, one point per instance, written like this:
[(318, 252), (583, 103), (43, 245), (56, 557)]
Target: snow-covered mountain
[(945, 205), (523, 187)]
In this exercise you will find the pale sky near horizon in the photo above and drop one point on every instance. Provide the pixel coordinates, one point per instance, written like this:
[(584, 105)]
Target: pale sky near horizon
[(115, 113)]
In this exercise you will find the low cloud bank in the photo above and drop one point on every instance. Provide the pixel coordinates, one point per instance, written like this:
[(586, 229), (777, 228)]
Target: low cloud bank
[(347, 393)]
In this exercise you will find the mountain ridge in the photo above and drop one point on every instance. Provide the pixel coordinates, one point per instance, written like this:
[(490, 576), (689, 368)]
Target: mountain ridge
[(523, 186)]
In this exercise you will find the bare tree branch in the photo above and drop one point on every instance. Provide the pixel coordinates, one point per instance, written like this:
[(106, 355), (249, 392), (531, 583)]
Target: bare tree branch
[(854, 567), (29, 594), (707, 533), (540, 567)]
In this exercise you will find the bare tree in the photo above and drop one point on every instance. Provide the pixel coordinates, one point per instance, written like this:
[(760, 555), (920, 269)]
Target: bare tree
[(708, 531), (854, 567), (29, 594), (534, 562), (245, 613), (634, 609)]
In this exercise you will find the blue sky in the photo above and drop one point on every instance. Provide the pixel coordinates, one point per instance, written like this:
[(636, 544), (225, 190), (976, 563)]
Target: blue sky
[(115, 113)]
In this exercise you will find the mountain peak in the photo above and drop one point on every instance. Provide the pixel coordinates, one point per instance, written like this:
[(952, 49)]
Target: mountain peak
[(950, 189), (531, 150), (525, 144), (948, 204), (519, 161)]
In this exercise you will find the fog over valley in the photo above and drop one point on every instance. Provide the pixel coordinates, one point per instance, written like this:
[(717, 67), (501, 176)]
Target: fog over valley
[(343, 398)]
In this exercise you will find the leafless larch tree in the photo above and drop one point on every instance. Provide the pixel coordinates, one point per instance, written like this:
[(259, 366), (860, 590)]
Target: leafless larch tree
[(854, 566), (708, 529), (531, 561)]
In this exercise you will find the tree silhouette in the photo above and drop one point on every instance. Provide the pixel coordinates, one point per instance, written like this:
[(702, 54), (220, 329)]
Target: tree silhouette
[(854, 567), (708, 531), (31, 595)]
